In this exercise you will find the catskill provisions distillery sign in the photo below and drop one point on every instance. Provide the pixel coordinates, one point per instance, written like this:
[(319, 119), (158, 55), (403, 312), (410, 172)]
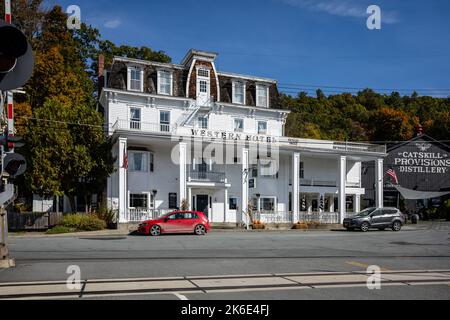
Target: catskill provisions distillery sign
[(422, 160)]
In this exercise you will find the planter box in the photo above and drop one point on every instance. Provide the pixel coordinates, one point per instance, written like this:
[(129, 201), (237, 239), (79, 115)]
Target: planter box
[(258, 226), (300, 226)]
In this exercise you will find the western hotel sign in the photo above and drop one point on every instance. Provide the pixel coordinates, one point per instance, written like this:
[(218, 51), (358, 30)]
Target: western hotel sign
[(422, 160), (232, 136)]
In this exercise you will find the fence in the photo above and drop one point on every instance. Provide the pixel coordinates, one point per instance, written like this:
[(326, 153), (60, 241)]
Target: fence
[(321, 217), (138, 215), (32, 220), (273, 217)]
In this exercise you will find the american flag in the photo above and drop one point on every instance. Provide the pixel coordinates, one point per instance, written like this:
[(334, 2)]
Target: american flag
[(125, 160), (393, 175)]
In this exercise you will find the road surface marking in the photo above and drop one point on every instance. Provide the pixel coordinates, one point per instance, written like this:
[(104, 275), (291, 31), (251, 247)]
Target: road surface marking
[(363, 265), (180, 296)]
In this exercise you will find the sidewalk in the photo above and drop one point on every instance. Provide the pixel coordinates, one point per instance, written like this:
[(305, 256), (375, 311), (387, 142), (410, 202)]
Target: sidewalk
[(423, 225)]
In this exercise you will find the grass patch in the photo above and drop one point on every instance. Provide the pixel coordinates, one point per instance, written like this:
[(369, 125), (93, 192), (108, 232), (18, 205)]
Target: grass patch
[(60, 230)]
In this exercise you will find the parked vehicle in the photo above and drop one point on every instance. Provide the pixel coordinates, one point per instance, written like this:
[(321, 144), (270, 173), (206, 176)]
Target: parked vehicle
[(176, 222), (376, 218)]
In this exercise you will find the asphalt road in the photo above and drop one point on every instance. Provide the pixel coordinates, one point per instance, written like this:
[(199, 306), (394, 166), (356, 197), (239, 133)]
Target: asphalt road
[(240, 253)]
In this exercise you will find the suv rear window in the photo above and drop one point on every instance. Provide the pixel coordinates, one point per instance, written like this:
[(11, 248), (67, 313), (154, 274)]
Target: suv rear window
[(390, 211)]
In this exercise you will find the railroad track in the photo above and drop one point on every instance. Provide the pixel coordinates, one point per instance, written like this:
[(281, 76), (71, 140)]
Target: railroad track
[(223, 283)]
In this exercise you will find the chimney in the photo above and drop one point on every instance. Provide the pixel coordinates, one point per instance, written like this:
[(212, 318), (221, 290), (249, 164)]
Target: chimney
[(419, 130), (100, 74)]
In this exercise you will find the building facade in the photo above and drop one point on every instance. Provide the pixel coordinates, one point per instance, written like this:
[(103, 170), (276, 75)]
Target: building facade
[(190, 135), (422, 170)]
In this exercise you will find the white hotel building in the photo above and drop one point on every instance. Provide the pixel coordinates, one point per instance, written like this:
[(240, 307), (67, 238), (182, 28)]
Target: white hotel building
[(191, 132)]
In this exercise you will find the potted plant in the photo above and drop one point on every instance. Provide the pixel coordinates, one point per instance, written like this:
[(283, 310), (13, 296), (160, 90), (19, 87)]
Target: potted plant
[(258, 225), (301, 225)]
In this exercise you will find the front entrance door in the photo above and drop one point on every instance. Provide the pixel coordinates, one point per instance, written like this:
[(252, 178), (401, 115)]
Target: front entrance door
[(203, 87), (202, 203)]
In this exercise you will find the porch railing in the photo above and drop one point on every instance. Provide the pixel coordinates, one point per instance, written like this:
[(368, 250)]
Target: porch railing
[(208, 176), (141, 126), (138, 215), (321, 217), (273, 216)]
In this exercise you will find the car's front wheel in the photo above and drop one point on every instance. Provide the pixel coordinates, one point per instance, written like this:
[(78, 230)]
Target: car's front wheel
[(396, 226), (155, 230), (365, 227), (200, 230)]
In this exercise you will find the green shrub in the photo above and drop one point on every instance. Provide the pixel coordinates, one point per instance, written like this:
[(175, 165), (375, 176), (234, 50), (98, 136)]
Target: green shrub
[(83, 222), (59, 230), (107, 215)]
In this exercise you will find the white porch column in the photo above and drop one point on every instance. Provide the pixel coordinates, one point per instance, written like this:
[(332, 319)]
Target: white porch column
[(122, 172), (295, 186), (342, 165), (356, 203), (331, 203), (379, 183), (190, 198), (183, 153), (244, 195), (225, 205)]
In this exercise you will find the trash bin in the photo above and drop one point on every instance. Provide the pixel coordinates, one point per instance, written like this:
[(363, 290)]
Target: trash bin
[(414, 218)]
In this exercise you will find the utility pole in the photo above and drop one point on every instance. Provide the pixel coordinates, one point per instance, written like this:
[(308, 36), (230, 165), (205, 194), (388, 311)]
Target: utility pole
[(5, 262), (16, 67)]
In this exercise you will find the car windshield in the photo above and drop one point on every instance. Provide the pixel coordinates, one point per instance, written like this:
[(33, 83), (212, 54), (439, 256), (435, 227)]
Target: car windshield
[(365, 212)]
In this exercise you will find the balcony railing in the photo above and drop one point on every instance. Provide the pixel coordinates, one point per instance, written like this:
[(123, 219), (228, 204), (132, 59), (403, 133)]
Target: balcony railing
[(317, 183), (356, 146), (207, 176), (133, 125)]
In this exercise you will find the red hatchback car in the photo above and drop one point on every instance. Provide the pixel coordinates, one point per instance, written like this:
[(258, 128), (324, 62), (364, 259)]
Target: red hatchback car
[(176, 222)]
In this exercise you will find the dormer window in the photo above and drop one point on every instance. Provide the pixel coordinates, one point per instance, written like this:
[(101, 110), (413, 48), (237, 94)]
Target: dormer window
[(135, 79), (203, 72), (164, 82), (262, 94), (238, 92)]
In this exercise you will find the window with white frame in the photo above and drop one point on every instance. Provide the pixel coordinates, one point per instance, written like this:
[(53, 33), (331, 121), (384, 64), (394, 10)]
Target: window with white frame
[(232, 203), (136, 79), (138, 161), (262, 96), (164, 121), (164, 82), (267, 204), (238, 125), (262, 127), (135, 118), (239, 92), (203, 122), (203, 72), (139, 200), (203, 86)]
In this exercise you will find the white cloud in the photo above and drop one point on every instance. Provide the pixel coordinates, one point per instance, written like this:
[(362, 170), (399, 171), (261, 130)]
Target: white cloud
[(343, 8), (112, 24)]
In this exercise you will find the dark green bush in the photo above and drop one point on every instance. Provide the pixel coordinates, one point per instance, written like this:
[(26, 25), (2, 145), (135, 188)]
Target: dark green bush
[(107, 215), (83, 222)]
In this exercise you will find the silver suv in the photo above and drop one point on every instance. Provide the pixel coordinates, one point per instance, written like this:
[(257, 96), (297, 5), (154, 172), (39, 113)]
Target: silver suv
[(376, 218)]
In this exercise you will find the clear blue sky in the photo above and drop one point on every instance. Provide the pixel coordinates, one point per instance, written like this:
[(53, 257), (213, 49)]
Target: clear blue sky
[(299, 42)]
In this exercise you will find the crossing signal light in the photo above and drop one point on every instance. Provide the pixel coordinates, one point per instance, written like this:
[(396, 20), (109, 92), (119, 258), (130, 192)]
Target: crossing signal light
[(16, 57)]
